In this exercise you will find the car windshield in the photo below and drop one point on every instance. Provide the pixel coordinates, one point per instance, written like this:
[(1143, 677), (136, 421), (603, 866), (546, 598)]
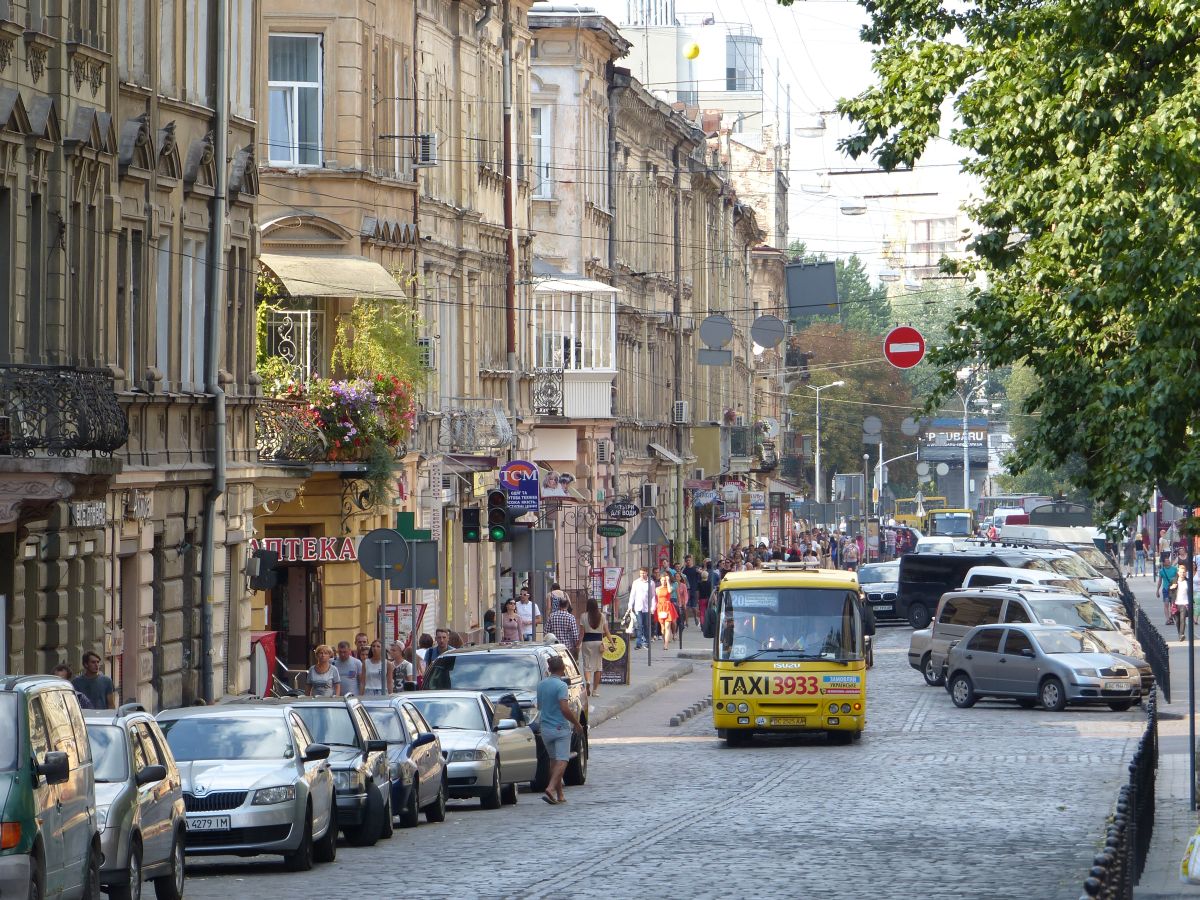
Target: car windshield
[(484, 672), (451, 712), (1068, 642), (209, 737), (110, 759), (818, 623), (8, 732), (1068, 585), (1073, 566), (1077, 613), (950, 523), (1095, 559), (387, 723), (876, 574), (329, 724)]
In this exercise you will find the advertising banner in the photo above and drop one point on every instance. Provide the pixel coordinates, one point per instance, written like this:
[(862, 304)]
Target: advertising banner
[(520, 479)]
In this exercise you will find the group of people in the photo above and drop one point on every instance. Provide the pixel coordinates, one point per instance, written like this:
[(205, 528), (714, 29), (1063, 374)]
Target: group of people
[(661, 609), (817, 547), (1171, 580), (363, 670)]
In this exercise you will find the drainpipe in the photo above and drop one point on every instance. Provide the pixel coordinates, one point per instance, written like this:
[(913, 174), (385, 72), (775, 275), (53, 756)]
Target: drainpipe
[(212, 344), (677, 253), (612, 166)]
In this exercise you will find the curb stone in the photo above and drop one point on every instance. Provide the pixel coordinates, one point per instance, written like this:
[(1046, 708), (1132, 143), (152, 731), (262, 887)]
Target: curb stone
[(693, 710), (598, 715)]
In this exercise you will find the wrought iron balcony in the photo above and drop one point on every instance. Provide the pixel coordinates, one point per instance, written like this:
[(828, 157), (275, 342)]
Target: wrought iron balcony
[(59, 411), (287, 431), (741, 440), (472, 424)]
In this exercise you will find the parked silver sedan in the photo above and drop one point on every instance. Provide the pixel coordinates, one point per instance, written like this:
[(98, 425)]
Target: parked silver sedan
[(1048, 664), (487, 754)]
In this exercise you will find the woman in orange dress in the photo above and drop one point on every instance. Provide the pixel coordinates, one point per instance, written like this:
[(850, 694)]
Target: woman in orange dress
[(665, 609)]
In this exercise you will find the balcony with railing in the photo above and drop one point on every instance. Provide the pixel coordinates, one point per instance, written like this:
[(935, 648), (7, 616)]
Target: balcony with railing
[(59, 411), (287, 433)]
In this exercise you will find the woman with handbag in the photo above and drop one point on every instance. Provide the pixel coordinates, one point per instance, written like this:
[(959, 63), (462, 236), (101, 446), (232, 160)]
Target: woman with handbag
[(666, 611), (1167, 573), (594, 629)]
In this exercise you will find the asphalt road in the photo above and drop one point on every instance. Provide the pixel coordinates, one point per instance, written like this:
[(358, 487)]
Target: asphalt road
[(933, 802)]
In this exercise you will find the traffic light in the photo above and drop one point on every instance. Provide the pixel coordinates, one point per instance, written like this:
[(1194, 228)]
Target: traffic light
[(499, 517), (472, 533)]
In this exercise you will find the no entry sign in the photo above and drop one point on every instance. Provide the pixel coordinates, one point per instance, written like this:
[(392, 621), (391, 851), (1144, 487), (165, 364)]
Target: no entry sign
[(904, 347)]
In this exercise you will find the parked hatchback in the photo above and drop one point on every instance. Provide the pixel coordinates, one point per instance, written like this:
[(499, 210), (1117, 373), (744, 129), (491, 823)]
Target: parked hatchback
[(254, 781), (139, 804), (509, 675), (49, 842), (1048, 664)]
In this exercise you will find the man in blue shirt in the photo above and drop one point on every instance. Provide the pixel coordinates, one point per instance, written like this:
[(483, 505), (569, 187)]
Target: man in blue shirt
[(558, 723)]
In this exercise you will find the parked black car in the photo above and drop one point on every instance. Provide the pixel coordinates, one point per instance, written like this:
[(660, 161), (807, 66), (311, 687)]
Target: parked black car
[(929, 572)]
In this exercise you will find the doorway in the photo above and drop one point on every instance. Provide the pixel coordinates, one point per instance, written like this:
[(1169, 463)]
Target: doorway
[(296, 607)]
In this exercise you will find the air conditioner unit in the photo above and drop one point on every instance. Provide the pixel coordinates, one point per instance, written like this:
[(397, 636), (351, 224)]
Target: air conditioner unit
[(679, 413), (649, 496), (698, 474), (426, 155), (603, 452)]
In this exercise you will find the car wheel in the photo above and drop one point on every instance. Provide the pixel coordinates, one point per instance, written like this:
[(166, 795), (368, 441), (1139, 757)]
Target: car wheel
[(933, 677), (301, 859), (918, 616), (1026, 703), (508, 794), (170, 886), (133, 868), (91, 884), (37, 878), (436, 811), (325, 849), (411, 815), (492, 800), (1052, 695), (367, 834), (576, 773), (962, 691), (1120, 705), (386, 829)]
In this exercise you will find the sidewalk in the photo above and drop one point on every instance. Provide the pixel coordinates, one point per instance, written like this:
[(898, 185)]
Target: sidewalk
[(1174, 820), (665, 667)]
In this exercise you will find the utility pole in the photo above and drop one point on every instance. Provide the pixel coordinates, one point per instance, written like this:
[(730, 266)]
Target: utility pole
[(677, 311), (510, 225)]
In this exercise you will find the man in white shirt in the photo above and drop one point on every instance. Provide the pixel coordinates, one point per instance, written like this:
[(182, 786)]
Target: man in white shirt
[(640, 593), (529, 614)]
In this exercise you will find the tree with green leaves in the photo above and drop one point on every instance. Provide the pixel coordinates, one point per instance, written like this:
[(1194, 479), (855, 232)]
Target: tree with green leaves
[(1080, 122)]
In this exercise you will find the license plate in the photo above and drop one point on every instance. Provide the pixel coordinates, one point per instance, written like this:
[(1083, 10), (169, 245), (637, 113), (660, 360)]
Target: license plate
[(1117, 686), (788, 720), (880, 608), (208, 823)]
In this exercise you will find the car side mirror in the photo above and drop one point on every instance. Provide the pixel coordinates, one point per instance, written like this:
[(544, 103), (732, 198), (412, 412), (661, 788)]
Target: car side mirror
[(54, 767), (376, 747), (507, 725), (151, 774), (1026, 651), (425, 737), (314, 752)]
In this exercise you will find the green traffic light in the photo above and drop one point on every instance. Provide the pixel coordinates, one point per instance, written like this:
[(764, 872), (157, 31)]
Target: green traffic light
[(497, 534)]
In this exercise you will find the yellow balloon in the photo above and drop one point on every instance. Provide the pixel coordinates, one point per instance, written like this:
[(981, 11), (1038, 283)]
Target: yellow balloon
[(692, 50)]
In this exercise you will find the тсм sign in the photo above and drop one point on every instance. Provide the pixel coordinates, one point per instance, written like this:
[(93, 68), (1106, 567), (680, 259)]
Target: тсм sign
[(520, 479)]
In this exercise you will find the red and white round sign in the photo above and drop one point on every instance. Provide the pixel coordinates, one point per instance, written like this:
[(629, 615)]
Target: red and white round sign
[(904, 347)]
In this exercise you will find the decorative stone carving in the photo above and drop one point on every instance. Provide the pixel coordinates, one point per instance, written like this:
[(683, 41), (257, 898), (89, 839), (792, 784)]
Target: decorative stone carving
[(79, 70), (36, 62), (16, 490), (97, 77), (6, 51)]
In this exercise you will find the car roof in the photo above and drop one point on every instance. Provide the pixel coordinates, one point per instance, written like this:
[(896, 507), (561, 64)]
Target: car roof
[(31, 682), (1014, 572), (516, 647), (451, 692), (784, 575), (222, 709), (128, 712)]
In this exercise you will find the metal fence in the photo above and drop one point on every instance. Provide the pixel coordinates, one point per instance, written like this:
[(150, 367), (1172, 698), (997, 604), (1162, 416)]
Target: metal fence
[(1118, 866), (1151, 639)]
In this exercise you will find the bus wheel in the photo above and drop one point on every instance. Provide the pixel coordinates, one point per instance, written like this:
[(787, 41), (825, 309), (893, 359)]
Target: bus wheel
[(736, 737)]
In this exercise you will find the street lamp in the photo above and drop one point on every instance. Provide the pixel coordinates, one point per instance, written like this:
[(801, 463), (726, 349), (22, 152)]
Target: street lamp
[(818, 389), (970, 392)]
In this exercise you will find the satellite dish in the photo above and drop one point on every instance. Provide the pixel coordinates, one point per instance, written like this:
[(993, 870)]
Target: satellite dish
[(922, 468), (910, 427), (768, 331), (872, 425), (943, 469), (772, 428), (716, 331)]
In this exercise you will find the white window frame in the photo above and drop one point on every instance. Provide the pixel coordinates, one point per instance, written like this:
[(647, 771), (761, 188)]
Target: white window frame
[(575, 332), (541, 150), (293, 111)]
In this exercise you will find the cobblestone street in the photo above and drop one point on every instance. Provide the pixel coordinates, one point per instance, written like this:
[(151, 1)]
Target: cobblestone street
[(934, 802)]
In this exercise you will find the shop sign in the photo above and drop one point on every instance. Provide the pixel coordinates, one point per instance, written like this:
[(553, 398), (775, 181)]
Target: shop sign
[(621, 509), (88, 514), (520, 479), (310, 549), (758, 500), (610, 530)]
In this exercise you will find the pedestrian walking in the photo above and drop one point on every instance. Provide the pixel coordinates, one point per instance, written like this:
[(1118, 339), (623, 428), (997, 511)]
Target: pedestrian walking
[(1167, 573), (349, 669), (558, 723), (665, 609), (704, 590), (1139, 556), (441, 638), (324, 680), (63, 671), (640, 600), (531, 615), (402, 667), (98, 688), (362, 646), (565, 626), (510, 622), (376, 678), (594, 627), (693, 576)]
